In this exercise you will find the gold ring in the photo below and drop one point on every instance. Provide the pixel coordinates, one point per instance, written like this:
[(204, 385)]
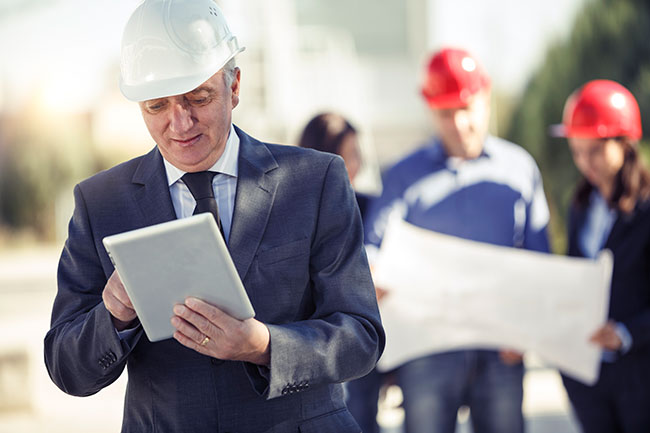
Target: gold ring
[(205, 341)]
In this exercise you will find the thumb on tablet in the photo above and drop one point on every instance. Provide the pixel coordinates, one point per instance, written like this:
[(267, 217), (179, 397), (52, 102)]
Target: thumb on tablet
[(118, 303)]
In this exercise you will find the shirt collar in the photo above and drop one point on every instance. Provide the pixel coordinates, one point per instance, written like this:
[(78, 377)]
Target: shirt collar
[(437, 151), (226, 164)]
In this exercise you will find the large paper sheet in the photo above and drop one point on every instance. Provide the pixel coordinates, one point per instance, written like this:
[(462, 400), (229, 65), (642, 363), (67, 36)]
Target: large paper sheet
[(447, 293)]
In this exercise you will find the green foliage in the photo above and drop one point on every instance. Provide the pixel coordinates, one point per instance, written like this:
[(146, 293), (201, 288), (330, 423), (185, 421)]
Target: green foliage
[(36, 165), (610, 39)]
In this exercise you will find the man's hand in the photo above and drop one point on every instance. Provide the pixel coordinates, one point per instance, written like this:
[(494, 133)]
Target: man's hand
[(606, 337), (210, 331), (510, 357), (117, 302), (381, 293)]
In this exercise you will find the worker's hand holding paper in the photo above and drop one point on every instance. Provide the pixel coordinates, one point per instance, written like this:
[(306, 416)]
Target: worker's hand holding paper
[(446, 293)]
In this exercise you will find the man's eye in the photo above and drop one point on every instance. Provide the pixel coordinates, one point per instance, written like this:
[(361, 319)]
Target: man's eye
[(199, 101), (155, 107)]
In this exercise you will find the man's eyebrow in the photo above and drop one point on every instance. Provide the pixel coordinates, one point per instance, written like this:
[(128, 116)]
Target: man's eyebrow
[(203, 89), (153, 101)]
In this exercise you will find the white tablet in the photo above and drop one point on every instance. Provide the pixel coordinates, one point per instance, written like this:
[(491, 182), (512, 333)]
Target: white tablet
[(163, 264)]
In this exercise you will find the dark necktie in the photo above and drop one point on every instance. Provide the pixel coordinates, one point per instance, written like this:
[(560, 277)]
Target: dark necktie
[(200, 185)]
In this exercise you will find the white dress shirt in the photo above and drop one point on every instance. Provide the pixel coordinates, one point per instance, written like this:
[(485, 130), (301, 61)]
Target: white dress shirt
[(224, 185)]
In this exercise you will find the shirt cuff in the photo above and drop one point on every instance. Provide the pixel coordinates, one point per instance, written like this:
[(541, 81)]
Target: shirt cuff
[(625, 336), (128, 335)]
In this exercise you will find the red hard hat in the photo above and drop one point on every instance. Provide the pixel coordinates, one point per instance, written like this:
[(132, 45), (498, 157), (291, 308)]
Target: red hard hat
[(452, 77), (601, 109)]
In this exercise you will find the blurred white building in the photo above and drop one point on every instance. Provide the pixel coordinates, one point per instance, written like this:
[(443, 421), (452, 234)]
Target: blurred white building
[(358, 58)]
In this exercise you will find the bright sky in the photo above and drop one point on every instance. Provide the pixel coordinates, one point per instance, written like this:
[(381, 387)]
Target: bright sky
[(60, 48), (509, 36)]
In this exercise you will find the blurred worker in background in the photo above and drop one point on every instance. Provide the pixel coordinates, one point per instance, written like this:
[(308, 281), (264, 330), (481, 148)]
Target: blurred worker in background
[(611, 209), (291, 224), (333, 133), (466, 183)]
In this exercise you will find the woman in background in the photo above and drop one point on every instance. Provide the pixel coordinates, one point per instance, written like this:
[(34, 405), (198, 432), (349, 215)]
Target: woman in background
[(331, 132), (611, 209)]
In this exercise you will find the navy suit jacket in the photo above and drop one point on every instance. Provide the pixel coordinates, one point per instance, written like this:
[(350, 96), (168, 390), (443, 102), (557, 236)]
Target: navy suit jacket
[(629, 241), (297, 243)]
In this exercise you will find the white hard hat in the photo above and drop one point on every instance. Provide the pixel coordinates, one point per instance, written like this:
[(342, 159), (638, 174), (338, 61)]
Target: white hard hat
[(170, 47)]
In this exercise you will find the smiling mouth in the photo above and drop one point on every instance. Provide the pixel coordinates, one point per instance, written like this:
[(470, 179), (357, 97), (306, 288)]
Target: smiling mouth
[(187, 142)]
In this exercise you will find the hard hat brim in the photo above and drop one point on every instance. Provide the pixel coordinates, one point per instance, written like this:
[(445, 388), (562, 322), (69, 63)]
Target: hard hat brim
[(169, 87), (448, 101), (562, 131), (453, 100)]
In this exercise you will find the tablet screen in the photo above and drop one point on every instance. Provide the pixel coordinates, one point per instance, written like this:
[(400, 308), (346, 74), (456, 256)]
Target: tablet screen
[(163, 264)]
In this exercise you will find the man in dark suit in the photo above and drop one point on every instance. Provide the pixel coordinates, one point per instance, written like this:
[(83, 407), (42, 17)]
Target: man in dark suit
[(293, 230)]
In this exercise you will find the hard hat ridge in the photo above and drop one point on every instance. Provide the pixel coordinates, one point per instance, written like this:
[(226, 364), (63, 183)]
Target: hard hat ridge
[(170, 47)]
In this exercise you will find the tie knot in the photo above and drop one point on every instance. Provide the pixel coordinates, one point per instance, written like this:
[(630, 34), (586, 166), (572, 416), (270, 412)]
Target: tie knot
[(199, 184)]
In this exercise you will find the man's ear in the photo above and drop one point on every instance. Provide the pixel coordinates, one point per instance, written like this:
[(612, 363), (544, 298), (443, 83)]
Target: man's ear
[(234, 87)]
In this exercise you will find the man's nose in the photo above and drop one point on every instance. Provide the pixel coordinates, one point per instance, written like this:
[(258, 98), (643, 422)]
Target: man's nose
[(461, 121), (181, 118)]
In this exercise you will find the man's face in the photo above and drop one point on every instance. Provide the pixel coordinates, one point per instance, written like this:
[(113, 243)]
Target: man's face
[(191, 130), (463, 129)]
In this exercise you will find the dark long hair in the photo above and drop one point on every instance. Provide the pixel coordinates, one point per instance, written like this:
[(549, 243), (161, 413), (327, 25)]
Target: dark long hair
[(631, 185), (325, 132)]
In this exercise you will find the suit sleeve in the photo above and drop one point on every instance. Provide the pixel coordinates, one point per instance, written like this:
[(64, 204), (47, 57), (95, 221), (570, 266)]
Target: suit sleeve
[(83, 352), (343, 338)]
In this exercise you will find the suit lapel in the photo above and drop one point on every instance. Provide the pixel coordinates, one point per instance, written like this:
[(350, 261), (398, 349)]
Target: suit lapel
[(253, 201), (152, 194), (621, 225)]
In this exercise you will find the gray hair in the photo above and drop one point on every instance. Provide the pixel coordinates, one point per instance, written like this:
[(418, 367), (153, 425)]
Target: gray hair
[(229, 71)]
